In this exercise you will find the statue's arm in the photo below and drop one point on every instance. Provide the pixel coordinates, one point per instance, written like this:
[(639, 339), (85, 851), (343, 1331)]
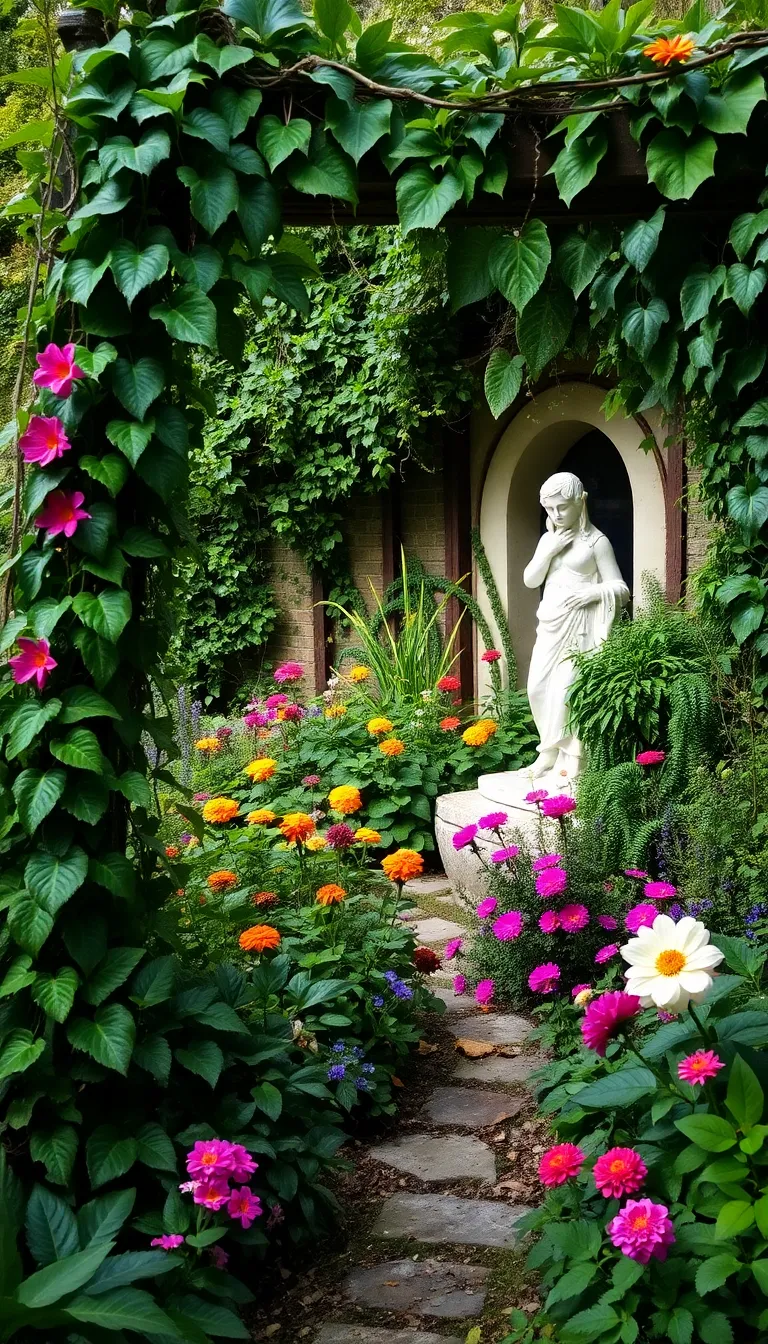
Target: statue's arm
[(609, 571), (536, 572)]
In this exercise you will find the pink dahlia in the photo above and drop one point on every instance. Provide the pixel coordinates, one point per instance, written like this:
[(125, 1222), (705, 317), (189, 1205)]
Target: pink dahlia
[(574, 918), (579, 989), (464, 836), (640, 917), (43, 440), (490, 656), (486, 907), (340, 836), (650, 757), (620, 1171), (62, 513), (452, 948), (604, 1017), (459, 984), (242, 1164), (57, 369), (699, 1067), (641, 1230), (560, 1164), (244, 1206), (536, 796), (659, 891), (168, 1242), (210, 1157), (552, 882), (508, 926), (34, 661), (277, 700), (606, 953), (255, 719), (505, 855), (212, 1194), (607, 922), (543, 979), (559, 806), (549, 922), (492, 821), (635, 872), (484, 992), (546, 861), (288, 672)]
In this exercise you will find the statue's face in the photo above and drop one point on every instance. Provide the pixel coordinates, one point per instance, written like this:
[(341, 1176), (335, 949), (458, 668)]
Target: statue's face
[(564, 513)]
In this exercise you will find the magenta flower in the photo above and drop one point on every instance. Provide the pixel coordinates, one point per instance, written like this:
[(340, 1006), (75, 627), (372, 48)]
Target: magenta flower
[(650, 757), (213, 1194), (486, 907), (505, 855), (490, 656), (34, 661), (549, 922), (43, 440), (545, 861), (277, 700), (288, 672), (642, 1230), (543, 979), (604, 954), (57, 369), (607, 922), (579, 989), (255, 719), (241, 1163), (168, 1243), (492, 821), (294, 713), (62, 513), (659, 891), (620, 1171), (452, 948), (604, 1017), (536, 796), (465, 836), (459, 984), (699, 1067), (508, 926), (574, 918), (210, 1157), (340, 836), (560, 1164), (552, 882), (666, 1017), (310, 781), (640, 917), (200, 797), (635, 872), (559, 806), (244, 1206), (484, 992)]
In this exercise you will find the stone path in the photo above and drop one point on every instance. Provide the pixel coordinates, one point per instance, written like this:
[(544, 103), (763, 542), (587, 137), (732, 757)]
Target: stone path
[(427, 1286)]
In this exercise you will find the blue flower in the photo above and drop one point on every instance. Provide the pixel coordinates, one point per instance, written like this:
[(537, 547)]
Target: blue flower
[(391, 976), (377, 1001), (358, 1052), (336, 1073), (401, 990), (369, 1068), (338, 1048), (362, 1084)]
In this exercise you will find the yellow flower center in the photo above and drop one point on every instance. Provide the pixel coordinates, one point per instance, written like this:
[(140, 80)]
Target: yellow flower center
[(209, 1159), (639, 1222), (670, 962), (557, 1161)]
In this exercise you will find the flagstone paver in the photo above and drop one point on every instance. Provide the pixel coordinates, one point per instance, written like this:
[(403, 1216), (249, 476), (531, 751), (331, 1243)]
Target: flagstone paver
[(454, 1003), (494, 1028), (437, 930), (470, 1108), (438, 1219), (430, 1287), (451, 1157), (339, 1332), (499, 1069)]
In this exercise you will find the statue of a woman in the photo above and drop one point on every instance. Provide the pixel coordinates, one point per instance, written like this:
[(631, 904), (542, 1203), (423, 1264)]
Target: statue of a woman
[(583, 596)]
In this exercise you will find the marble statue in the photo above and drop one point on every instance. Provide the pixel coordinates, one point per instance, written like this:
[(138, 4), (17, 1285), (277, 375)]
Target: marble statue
[(583, 596)]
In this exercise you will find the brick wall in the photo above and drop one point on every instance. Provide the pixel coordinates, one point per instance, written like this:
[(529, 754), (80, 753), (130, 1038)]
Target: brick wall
[(293, 634), (422, 517)]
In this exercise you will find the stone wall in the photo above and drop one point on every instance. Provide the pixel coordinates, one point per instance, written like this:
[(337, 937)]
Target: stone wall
[(698, 527)]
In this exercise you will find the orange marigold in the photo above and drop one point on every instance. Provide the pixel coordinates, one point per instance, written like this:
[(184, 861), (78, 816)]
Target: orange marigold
[(296, 826), (448, 724), (367, 836), (222, 880), (171, 851), (478, 733), (260, 770), (392, 747), (665, 50), (259, 938), (359, 673), (380, 725), (315, 843), (402, 865), (335, 711), (330, 894), (260, 817), (265, 899), (220, 809), (345, 799), (209, 744)]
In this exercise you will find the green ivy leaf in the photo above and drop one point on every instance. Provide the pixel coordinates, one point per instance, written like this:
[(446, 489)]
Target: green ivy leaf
[(107, 613), (27, 722), (748, 505), (111, 471), (204, 124), (202, 1057), (333, 18), (19, 1052), (697, 292), (154, 1055), (99, 657), (423, 199), (130, 436), (109, 1155), (743, 284), (640, 240), (503, 380), (110, 973), (17, 977), (135, 788), (259, 213), (188, 316), (154, 983), (580, 257), (678, 165), (81, 277), (543, 327), (519, 261), (236, 106), (327, 171), (137, 385), (115, 872), (120, 152), (221, 59), (155, 1148), (56, 1148), (37, 793), (134, 269), (641, 325), (468, 266), (267, 17), (108, 1038), (201, 267), (745, 229), (358, 126), (30, 925), (80, 749), (137, 541), (108, 200), (278, 140), (53, 879), (728, 111), (576, 164), (213, 194), (56, 993)]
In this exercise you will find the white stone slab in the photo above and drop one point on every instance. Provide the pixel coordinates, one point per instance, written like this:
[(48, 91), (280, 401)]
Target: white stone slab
[(340, 1332), (494, 1028), (452, 1157), (436, 1218), (426, 1287), (498, 1069), (437, 930)]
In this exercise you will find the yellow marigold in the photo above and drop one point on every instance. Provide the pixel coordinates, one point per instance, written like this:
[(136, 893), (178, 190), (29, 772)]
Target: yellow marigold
[(259, 938), (260, 770), (260, 817), (478, 733), (220, 809), (222, 880), (367, 836), (359, 673), (315, 843), (392, 747), (330, 894), (665, 50), (296, 826), (335, 711), (345, 799), (402, 865), (210, 744), (376, 726)]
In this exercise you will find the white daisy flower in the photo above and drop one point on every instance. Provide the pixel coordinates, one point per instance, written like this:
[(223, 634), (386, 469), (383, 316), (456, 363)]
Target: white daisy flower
[(670, 964)]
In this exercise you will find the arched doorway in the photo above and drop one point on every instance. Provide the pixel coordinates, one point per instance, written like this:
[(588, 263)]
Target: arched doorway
[(564, 429)]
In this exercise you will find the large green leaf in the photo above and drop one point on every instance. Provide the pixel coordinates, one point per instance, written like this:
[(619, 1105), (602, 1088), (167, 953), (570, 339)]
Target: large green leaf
[(118, 1270), (80, 702), (112, 972), (204, 124), (212, 1317), (37, 793), (744, 1098), (358, 126), (423, 198), (26, 722), (155, 1148), (587, 1326), (641, 324), (189, 316), (333, 18), (577, 163), (18, 976), (745, 229), (20, 1050), (154, 983), (108, 613), (518, 262), (53, 879), (115, 872), (543, 327), (503, 380), (102, 1218), (236, 106), (468, 266), (110, 470), (580, 257), (56, 1149), (728, 111), (109, 1154), (134, 269), (55, 994), (710, 1132), (81, 277), (267, 17), (623, 1088), (678, 165), (326, 171), (259, 213), (277, 140), (743, 284), (29, 924), (748, 505), (137, 385), (53, 1282), (640, 240), (697, 292), (120, 152), (50, 1227), (86, 797), (80, 748), (123, 1309), (202, 1057), (213, 194), (108, 1038)]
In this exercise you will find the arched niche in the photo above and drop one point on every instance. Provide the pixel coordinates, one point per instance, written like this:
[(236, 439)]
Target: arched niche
[(536, 443)]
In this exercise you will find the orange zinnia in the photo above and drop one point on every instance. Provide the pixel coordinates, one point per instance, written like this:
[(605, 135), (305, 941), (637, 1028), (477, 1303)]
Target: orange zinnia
[(261, 817), (392, 747), (664, 50), (403, 865), (259, 938), (367, 836), (220, 809), (345, 799), (266, 899), (260, 770), (209, 744), (478, 733), (172, 851), (330, 894), (379, 725), (222, 880), (296, 826), (447, 725)]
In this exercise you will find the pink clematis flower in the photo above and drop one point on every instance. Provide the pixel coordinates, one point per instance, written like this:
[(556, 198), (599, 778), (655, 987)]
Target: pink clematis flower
[(57, 369), (574, 918), (244, 1206), (640, 917), (620, 1171), (486, 907), (543, 979), (508, 926), (62, 513), (549, 922), (699, 1067), (604, 1017), (212, 1195), (168, 1243), (560, 1164), (642, 1230), (34, 661), (484, 992), (43, 440)]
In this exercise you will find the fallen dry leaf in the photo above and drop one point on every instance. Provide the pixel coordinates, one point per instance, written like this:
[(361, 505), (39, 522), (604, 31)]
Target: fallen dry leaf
[(391, 1283), (474, 1049), (396, 1082), (272, 1329), (512, 1155), (425, 1048)]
